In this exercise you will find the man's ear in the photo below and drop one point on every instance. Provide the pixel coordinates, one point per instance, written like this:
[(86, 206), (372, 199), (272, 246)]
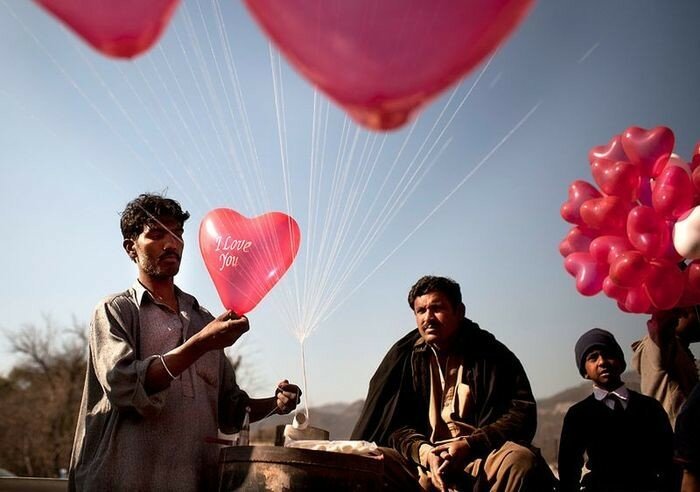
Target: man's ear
[(461, 310), (130, 248)]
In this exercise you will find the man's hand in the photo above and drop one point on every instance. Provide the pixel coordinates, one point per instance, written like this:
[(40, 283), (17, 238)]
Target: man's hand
[(436, 463), (662, 325), (288, 397), (222, 332), (452, 458)]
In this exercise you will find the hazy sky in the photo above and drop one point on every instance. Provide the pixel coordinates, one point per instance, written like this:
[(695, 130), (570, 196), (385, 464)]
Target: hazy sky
[(82, 134)]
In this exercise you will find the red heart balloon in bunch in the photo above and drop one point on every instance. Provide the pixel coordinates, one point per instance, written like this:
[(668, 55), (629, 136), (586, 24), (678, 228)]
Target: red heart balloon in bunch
[(635, 223), (118, 28), (382, 60), (247, 257)]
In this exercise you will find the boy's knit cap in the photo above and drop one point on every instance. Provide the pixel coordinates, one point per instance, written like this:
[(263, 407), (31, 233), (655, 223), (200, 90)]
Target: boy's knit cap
[(596, 338)]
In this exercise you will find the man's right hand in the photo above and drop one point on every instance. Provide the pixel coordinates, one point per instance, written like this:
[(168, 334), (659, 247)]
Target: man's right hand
[(222, 332)]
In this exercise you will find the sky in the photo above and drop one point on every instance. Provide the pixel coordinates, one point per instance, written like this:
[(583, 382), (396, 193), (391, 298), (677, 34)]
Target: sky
[(82, 134)]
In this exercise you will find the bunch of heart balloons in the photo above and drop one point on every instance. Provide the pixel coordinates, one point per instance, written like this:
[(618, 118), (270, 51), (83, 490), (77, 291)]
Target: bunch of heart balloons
[(636, 236), (381, 60)]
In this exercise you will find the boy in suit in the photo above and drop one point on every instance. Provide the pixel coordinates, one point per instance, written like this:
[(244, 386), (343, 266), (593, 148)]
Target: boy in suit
[(626, 436)]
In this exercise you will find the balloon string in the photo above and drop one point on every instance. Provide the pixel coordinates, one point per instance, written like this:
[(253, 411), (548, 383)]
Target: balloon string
[(305, 406)]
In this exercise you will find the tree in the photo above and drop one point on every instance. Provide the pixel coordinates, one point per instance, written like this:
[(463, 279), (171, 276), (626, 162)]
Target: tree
[(40, 397)]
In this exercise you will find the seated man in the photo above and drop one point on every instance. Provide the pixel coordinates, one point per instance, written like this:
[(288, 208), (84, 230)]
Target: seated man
[(452, 404)]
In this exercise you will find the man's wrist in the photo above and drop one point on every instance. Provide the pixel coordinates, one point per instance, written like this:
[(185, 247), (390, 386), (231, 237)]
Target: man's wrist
[(423, 451)]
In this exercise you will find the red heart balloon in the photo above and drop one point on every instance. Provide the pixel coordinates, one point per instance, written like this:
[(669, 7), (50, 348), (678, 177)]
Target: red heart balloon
[(650, 149), (612, 151), (247, 257), (648, 231), (605, 249), (629, 270), (119, 28), (382, 60), (588, 272), (579, 192), (576, 241), (691, 293), (619, 178), (633, 300), (637, 301), (607, 214), (664, 284), (673, 191), (614, 291)]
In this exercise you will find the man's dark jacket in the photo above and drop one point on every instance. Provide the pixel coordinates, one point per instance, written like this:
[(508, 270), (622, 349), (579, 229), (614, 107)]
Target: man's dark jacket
[(395, 413)]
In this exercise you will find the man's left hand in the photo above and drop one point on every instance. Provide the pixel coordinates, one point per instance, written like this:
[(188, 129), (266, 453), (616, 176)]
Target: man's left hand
[(288, 397)]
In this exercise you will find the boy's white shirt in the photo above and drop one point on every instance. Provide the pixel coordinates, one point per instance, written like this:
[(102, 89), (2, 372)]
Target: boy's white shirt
[(621, 393)]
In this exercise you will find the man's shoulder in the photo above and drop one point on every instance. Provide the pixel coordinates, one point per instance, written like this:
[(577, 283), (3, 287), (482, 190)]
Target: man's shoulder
[(405, 344), (125, 299), (483, 342)]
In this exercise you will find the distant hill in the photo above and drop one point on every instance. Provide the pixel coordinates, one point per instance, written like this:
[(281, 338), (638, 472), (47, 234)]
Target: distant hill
[(339, 418)]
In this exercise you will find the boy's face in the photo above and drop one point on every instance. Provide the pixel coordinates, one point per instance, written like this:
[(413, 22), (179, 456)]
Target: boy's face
[(603, 368)]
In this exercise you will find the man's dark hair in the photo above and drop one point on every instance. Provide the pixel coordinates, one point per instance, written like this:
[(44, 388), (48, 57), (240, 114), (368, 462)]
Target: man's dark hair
[(444, 285), (146, 209)]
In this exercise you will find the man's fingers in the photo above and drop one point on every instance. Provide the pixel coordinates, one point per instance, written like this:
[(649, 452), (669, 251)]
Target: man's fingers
[(228, 315)]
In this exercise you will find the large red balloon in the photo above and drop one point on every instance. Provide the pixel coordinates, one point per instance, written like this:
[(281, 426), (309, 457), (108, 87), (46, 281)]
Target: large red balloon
[(246, 257), (650, 149), (579, 193), (383, 59), (119, 28)]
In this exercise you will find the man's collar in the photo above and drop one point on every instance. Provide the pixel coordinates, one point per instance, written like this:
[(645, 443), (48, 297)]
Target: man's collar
[(464, 327), (142, 292)]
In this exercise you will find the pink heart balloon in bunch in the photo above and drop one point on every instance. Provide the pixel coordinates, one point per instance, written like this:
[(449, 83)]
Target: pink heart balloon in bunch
[(118, 28), (382, 60), (638, 225), (247, 257)]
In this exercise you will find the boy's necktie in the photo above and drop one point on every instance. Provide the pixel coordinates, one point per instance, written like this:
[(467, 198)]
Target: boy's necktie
[(618, 408)]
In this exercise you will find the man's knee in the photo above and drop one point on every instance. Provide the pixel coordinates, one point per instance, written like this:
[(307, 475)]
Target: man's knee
[(519, 459)]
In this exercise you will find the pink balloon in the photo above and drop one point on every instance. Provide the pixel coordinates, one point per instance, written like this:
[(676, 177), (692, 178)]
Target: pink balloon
[(382, 60), (118, 28), (637, 301), (579, 192), (606, 249), (691, 292), (247, 257), (648, 231), (607, 214), (664, 284), (633, 300), (611, 152), (588, 272), (576, 241), (650, 149), (619, 178), (629, 269), (614, 291), (673, 191)]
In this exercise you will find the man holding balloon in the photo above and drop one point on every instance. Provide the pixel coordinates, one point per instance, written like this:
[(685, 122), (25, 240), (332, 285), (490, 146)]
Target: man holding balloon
[(158, 383)]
